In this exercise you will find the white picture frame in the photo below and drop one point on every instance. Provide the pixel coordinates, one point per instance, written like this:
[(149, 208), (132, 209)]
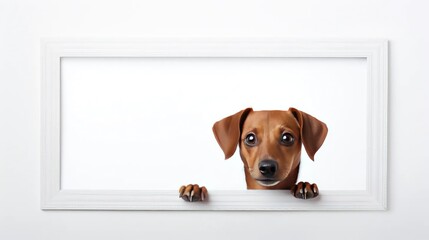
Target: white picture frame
[(373, 198)]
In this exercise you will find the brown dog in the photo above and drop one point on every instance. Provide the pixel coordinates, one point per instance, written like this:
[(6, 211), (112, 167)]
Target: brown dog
[(270, 148)]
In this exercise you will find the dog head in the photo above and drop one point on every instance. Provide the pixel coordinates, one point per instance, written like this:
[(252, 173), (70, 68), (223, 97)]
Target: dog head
[(270, 141)]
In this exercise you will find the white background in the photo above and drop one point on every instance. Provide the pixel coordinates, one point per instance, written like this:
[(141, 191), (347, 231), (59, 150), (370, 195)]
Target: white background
[(146, 123), (23, 23)]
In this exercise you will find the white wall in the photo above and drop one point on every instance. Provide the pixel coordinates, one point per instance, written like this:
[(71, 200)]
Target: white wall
[(23, 23)]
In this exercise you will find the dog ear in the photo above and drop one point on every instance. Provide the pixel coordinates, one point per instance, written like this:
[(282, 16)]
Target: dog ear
[(313, 131), (227, 131)]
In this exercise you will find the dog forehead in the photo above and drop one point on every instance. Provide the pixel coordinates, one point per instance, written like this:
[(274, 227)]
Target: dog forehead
[(271, 119)]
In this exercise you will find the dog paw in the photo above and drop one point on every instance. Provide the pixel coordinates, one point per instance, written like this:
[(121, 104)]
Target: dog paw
[(305, 190), (193, 193)]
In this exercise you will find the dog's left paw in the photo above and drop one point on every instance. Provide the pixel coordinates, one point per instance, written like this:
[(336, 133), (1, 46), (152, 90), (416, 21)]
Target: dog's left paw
[(305, 190)]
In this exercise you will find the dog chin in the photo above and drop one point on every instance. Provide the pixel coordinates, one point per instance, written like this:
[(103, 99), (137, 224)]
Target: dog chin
[(267, 183)]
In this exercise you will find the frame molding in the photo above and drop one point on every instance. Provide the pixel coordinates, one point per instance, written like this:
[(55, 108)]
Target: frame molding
[(374, 51)]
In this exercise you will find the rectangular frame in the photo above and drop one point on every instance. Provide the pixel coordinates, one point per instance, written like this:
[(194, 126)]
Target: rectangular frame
[(373, 198)]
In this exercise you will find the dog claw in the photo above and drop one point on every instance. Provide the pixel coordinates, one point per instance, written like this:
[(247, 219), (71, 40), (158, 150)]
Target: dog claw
[(315, 189), (305, 190), (181, 191), (193, 193), (204, 193)]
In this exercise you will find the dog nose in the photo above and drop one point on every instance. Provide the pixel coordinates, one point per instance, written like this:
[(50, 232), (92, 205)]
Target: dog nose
[(268, 168)]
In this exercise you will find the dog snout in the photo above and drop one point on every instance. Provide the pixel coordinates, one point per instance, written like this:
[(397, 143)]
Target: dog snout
[(268, 168)]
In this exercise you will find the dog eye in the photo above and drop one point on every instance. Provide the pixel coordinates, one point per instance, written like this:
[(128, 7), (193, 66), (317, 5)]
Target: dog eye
[(250, 140), (287, 139)]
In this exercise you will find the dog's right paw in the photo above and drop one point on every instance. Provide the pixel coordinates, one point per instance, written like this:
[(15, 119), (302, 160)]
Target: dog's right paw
[(305, 190), (193, 193)]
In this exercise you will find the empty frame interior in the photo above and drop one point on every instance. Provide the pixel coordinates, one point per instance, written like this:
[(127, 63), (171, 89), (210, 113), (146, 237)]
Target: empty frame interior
[(145, 123)]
